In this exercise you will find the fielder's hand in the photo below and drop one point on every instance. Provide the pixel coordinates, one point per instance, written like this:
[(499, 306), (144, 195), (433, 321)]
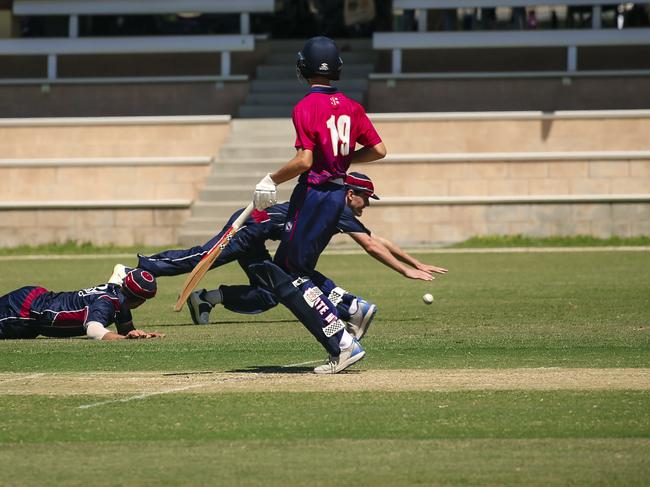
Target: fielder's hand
[(418, 274), (431, 268), (139, 334), (265, 193)]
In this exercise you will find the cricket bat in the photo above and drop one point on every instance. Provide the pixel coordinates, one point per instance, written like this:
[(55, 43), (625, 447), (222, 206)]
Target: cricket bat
[(208, 259)]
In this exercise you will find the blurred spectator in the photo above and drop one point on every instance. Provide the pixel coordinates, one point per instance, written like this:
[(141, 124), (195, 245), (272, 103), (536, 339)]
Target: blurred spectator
[(469, 18), (449, 19), (518, 19), (555, 23), (384, 19), (532, 22), (582, 13), (359, 17), (488, 18), (637, 16), (328, 15), (442, 19)]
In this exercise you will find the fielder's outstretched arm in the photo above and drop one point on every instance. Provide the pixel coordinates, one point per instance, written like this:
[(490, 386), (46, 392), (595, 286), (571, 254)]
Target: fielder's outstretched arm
[(400, 254), (380, 252)]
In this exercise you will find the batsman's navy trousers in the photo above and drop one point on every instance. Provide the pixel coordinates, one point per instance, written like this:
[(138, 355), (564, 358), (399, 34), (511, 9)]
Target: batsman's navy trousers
[(254, 299), (314, 212)]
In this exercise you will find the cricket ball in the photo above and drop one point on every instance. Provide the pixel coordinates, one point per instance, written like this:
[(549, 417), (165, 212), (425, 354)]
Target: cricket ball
[(427, 298)]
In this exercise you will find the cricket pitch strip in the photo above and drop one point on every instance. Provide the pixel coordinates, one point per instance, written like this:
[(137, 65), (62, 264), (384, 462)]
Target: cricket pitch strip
[(146, 384)]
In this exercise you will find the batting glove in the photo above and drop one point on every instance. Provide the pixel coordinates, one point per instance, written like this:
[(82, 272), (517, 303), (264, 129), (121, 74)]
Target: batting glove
[(265, 193)]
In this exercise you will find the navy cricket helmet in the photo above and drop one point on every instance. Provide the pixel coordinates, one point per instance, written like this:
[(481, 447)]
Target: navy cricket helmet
[(140, 284), (319, 57)]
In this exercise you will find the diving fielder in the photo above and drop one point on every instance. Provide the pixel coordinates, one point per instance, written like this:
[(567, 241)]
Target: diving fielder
[(32, 310)]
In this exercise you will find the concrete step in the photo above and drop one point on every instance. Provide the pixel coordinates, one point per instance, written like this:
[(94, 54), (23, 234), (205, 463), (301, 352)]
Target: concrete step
[(252, 151), (204, 224), (281, 125), (239, 138), (238, 192), (239, 179), (293, 86), (283, 71), (279, 98), (351, 57), (233, 171), (264, 111), (282, 98), (221, 210), (190, 238)]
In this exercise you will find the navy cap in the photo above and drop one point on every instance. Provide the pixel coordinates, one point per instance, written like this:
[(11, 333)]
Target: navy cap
[(361, 183), (140, 284)]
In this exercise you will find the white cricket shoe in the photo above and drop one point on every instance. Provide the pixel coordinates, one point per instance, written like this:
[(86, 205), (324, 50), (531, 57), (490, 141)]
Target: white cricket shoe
[(119, 273), (349, 356), (199, 308), (360, 320)]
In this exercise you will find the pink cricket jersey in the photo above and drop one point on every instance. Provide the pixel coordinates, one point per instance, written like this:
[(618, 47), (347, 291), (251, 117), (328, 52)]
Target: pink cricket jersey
[(331, 125)]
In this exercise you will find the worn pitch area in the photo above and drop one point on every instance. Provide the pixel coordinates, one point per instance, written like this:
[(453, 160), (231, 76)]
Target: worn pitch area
[(199, 382)]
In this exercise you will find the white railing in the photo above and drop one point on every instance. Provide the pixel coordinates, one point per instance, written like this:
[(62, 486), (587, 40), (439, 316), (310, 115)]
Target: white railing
[(74, 8), (52, 47), (571, 39)]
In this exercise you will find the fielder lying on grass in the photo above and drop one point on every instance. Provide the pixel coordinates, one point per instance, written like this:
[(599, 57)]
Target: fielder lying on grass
[(248, 247), (32, 310)]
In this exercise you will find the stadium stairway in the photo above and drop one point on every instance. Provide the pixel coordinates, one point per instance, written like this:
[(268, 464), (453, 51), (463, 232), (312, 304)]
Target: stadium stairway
[(253, 149), (275, 89)]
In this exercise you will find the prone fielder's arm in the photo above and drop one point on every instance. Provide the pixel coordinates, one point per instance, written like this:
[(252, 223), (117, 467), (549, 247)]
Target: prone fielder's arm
[(401, 255), (97, 331), (380, 252), (128, 330), (124, 328)]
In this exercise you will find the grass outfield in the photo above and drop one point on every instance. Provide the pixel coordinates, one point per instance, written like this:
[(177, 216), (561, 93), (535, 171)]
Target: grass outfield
[(528, 368)]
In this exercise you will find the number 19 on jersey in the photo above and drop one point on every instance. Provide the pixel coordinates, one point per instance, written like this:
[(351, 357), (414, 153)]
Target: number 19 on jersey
[(340, 134)]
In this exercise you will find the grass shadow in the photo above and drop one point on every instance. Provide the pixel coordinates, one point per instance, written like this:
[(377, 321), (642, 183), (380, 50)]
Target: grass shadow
[(271, 369), (230, 322), (278, 369)]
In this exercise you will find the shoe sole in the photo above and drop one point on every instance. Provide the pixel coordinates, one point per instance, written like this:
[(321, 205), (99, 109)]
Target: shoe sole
[(367, 320), (351, 361), (195, 318)]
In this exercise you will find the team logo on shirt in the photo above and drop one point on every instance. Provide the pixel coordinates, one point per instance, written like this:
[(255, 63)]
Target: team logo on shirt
[(334, 100), (288, 226), (324, 67)]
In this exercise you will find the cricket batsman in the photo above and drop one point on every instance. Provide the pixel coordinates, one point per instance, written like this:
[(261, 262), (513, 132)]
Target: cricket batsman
[(328, 127)]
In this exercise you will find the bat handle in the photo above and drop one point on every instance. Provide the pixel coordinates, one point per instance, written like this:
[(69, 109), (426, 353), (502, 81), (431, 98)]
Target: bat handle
[(243, 216)]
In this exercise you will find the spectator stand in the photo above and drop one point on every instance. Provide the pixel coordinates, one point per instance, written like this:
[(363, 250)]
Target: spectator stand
[(571, 39), (75, 45)]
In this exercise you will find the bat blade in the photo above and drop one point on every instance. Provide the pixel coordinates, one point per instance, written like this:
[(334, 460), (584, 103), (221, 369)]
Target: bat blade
[(208, 259)]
